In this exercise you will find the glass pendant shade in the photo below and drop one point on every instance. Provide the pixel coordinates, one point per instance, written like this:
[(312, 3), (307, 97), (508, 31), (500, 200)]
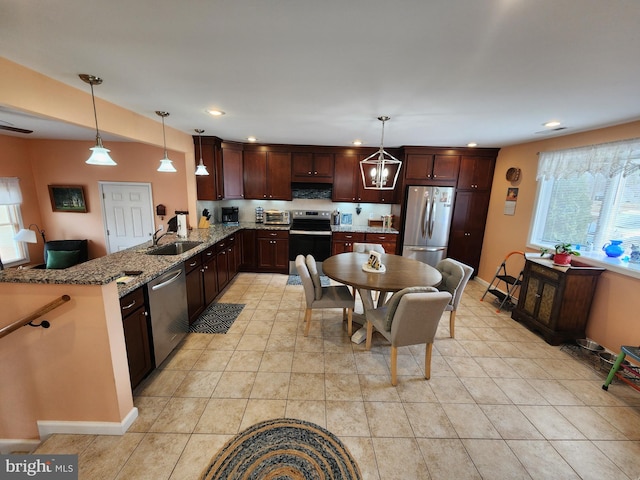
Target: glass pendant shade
[(166, 165), (201, 170), (99, 154), (380, 170)]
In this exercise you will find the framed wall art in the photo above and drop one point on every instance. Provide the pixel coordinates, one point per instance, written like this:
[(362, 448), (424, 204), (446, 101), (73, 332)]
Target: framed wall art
[(67, 198)]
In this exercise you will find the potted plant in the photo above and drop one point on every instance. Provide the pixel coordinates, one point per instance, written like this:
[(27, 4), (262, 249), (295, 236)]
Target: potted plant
[(563, 253)]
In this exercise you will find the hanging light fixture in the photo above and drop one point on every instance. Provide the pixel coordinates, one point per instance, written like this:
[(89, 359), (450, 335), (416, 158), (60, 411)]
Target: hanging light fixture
[(202, 169), (166, 165), (380, 170), (99, 155)]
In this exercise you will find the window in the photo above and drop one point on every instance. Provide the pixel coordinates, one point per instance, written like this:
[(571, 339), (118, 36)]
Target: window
[(11, 252), (588, 196)]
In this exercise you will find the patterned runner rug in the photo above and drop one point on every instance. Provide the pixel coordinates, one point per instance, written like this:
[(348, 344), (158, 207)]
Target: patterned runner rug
[(295, 280), (283, 449), (217, 318)]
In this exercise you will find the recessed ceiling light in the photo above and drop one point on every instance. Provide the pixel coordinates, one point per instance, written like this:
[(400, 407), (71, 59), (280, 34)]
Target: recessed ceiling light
[(472, 144), (357, 143), (252, 139), (214, 112), (552, 123)]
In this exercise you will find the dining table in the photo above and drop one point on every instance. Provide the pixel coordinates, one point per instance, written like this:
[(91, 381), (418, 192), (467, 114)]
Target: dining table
[(398, 273)]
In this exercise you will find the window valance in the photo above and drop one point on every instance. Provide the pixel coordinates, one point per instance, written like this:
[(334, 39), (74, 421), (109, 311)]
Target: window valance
[(10, 193), (608, 159)]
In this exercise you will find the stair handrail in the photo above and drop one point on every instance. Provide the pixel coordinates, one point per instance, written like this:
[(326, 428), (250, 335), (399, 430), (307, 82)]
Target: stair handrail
[(4, 331)]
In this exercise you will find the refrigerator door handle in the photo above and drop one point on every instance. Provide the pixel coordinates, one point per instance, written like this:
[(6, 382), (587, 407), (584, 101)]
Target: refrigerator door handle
[(425, 249), (432, 216), (423, 220)]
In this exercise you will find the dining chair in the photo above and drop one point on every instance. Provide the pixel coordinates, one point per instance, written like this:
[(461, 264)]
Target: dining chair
[(455, 276), (318, 297), (410, 317)]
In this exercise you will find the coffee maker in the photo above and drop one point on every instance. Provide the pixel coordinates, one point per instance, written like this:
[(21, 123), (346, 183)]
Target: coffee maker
[(230, 216)]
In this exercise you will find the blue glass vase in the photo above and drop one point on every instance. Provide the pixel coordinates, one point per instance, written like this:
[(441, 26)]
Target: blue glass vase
[(613, 248)]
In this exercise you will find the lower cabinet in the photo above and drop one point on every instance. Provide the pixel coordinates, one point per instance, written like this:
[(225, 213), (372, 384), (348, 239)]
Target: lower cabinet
[(556, 301), (273, 251), (135, 322), (246, 239), (387, 240), (342, 242)]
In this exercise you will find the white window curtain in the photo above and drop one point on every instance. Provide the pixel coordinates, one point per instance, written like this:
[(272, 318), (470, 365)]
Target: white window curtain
[(10, 193), (608, 159)]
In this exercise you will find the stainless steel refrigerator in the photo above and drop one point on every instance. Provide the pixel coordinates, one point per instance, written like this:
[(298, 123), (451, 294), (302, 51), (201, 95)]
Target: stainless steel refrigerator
[(427, 223)]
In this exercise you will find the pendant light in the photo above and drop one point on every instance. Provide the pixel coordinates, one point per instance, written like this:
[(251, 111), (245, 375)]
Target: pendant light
[(379, 168), (202, 169), (99, 155), (166, 165)]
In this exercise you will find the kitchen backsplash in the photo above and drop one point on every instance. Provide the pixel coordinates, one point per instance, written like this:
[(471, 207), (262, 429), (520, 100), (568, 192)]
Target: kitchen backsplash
[(247, 208)]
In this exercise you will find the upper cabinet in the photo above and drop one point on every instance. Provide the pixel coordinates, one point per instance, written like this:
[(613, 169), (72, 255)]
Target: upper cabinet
[(267, 174), (347, 183), (232, 169), (476, 172), (312, 167), (209, 187), (421, 168)]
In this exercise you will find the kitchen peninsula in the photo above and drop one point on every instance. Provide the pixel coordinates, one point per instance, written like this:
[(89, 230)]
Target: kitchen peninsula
[(74, 376)]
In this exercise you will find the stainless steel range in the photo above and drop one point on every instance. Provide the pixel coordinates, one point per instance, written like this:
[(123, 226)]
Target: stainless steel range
[(310, 234)]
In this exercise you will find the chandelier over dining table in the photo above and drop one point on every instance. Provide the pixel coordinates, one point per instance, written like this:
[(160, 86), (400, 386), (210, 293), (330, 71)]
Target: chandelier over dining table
[(381, 169)]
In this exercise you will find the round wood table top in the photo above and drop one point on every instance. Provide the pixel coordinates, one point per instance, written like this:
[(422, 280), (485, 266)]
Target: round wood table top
[(400, 272)]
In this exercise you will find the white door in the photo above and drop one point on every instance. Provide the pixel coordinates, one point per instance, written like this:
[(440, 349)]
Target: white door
[(128, 214)]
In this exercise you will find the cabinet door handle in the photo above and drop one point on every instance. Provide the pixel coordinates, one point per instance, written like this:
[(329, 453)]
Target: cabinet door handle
[(193, 264), (129, 306), (209, 254), (315, 173)]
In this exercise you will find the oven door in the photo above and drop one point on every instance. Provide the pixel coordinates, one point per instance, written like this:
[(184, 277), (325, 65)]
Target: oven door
[(317, 244)]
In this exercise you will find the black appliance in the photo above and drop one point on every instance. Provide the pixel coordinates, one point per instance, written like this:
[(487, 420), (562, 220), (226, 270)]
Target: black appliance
[(230, 216), (310, 234)]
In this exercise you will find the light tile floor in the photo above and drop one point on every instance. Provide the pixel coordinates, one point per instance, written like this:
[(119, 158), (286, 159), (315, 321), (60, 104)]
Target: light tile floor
[(501, 403)]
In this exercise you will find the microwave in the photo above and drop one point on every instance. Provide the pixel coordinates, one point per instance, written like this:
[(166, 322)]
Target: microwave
[(277, 217)]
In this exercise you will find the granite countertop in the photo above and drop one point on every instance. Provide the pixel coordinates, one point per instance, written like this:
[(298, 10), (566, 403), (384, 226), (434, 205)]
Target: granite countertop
[(103, 270)]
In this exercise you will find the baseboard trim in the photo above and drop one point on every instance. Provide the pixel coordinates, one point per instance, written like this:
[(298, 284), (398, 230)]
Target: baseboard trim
[(46, 428), (17, 446)]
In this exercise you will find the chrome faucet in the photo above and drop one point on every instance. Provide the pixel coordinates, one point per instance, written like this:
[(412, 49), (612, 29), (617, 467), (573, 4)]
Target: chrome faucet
[(155, 238)]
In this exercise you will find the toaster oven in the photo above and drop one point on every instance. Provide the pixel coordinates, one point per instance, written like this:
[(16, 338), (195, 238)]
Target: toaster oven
[(277, 217)]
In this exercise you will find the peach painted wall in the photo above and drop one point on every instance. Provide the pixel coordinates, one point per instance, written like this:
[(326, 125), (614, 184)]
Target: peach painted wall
[(613, 320), (74, 371), (34, 93)]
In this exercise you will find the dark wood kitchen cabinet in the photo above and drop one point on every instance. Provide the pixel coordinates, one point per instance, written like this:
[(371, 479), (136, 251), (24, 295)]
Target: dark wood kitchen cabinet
[(342, 242), (389, 241), (232, 169), (425, 169), (267, 175), (195, 284), (209, 187), (556, 300), (227, 261), (136, 325), (476, 172), (347, 182), (467, 227), (312, 167), (248, 251), (273, 251)]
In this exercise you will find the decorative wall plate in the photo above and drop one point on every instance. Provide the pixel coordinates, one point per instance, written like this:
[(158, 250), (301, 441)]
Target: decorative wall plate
[(513, 174)]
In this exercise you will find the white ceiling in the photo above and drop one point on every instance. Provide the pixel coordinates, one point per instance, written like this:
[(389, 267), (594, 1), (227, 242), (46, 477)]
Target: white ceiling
[(320, 72)]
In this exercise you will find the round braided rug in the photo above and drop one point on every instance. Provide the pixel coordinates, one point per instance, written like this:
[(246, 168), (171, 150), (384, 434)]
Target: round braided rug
[(283, 449)]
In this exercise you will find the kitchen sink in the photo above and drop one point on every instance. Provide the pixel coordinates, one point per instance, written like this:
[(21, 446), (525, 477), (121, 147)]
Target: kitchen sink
[(174, 248)]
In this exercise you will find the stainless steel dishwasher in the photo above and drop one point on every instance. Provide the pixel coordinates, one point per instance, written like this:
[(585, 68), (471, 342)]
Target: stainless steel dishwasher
[(168, 308)]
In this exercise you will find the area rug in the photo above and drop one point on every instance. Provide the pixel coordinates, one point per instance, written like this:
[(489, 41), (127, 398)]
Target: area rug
[(217, 318), (295, 280), (283, 449)]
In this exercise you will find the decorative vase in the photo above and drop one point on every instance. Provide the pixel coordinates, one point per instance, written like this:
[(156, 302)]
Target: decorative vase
[(562, 259), (635, 254), (613, 248)]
